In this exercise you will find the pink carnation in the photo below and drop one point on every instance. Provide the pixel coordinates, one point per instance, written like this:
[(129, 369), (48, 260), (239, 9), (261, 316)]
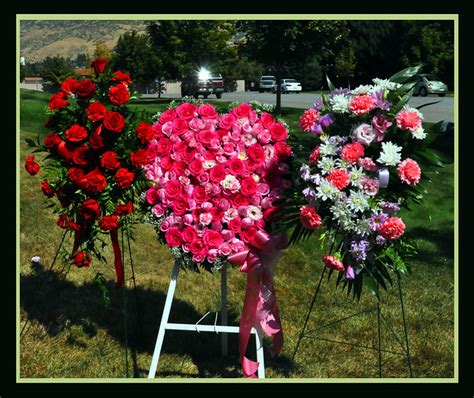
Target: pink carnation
[(308, 118), (361, 104), (409, 171), (339, 178), (393, 228), (408, 120), (333, 263)]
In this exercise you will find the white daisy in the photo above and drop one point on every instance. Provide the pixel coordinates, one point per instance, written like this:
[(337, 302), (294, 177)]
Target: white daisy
[(326, 165), (326, 190), (340, 103), (386, 84), (327, 149), (419, 134), (357, 201), (362, 89)]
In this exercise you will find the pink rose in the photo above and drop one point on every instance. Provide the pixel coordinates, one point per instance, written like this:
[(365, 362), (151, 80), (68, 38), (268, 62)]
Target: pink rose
[(167, 128), (227, 234), (173, 189), (188, 219), (212, 255), (227, 121), (152, 196), (263, 189), (216, 226), (165, 225), (225, 249), (264, 137), (158, 210), (212, 238), (266, 203), (196, 124)]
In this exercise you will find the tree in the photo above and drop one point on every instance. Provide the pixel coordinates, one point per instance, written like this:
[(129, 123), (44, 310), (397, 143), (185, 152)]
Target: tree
[(82, 61), (346, 63), (134, 54), (55, 70), (101, 50), (278, 44), (185, 46)]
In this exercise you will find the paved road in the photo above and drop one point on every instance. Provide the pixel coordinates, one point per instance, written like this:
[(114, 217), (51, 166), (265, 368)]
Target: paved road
[(444, 110)]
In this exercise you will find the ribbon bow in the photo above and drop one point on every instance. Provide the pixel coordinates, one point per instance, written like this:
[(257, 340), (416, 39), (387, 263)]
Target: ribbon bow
[(260, 304)]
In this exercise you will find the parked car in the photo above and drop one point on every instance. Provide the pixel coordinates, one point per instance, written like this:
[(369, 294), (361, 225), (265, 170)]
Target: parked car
[(289, 86), (203, 84), (266, 83), (429, 84)]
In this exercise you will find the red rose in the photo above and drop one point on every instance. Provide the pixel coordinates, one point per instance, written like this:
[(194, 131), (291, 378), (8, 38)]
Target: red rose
[(235, 225), (82, 156), (107, 223), (212, 239), (81, 260), (51, 122), (57, 101), (166, 163), (90, 209), (31, 166), (52, 140), (99, 65), (47, 189), (180, 167), (278, 132), (180, 205), (69, 86), (122, 77), (248, 235), (186, 110), (242, 111), (248, 186), (271, 175), (124, 209), (200, 195), (66, 222), (163, 146), (273, 213), (119, 94), (94, 181), (241, 200), (198, 247), (179, 126), (173, 237), (189, 234), (196, 167), (282, 150), (75, 175), (124, 178), (114, 121), (167, 116), (267, 120), (76, 133), (64, 195), (236, 166), (65, 150), (309, 217), (85, 89), (145, 133), (96, 111), (217, 173), (227, 121), (139, 157), (96, 141), (207, 111), (256, 153), (173, 189)]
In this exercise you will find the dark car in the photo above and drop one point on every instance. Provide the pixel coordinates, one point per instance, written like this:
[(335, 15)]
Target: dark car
[(205, 84)]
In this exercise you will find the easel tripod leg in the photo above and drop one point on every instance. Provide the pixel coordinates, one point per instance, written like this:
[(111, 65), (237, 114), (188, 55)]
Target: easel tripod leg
[(164, 322), (260, 356), (224, 344), (405, 329)]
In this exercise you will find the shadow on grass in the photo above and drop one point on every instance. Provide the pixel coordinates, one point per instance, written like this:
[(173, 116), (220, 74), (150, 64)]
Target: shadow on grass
[(443, 239), (59, 304)]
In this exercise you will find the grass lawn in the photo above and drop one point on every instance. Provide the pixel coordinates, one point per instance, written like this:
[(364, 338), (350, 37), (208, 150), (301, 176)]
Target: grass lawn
[(70, 333)]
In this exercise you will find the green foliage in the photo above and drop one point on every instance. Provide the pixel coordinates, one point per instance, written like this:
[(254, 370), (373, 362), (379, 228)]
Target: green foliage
[(55, 70)]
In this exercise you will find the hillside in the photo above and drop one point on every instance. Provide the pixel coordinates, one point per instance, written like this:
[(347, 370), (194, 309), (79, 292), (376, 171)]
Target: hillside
[(40, 39)]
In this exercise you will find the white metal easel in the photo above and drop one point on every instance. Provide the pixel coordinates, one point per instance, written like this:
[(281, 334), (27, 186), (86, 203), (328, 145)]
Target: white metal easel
[(224, 329)]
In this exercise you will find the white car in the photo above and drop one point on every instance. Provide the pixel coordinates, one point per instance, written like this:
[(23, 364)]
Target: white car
[(290, 86)]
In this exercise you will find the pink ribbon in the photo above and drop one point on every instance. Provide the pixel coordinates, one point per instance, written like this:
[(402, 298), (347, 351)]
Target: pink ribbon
[(260, 304)]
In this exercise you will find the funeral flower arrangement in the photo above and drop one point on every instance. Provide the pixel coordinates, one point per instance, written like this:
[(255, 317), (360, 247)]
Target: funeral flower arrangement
[(216, 178), (363, 167), (94, 161)]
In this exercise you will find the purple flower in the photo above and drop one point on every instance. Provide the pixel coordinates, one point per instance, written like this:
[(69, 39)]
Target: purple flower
[(380, 102), (309, 194), (358, 249), (305, 174), (316, 129), (318, 105), (380, 240), (326, 120), (376, 220), (390, 207), (350, 274), (340, 90)]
